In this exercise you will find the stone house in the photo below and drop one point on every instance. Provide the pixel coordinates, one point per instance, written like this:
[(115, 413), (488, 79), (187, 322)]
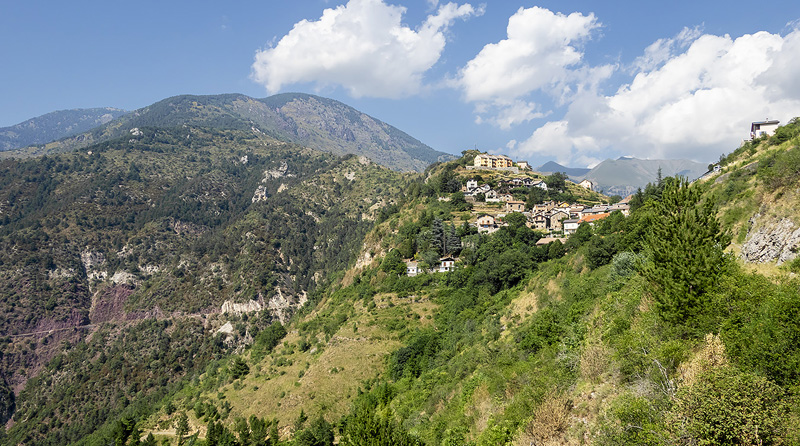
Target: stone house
[(515, 206)]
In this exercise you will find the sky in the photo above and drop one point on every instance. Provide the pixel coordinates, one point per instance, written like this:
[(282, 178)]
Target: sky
[(575, 82)]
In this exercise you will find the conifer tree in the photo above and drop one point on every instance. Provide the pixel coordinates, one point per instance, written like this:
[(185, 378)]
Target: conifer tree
[(453, 245), (438, 236), (687, 244)]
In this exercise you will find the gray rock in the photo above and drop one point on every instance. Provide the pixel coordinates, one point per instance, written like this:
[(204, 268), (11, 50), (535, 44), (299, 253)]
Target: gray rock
[(772, 241)]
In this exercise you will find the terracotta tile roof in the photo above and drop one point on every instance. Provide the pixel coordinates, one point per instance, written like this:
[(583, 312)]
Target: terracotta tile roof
[(593, 217)]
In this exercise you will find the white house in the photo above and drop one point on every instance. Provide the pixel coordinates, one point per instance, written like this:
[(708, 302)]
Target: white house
[(486, 223), (447, 264), (761, 128), (491, 196), (586, 184), (540, 184), (412, 269), (570, 226), (472, 184)]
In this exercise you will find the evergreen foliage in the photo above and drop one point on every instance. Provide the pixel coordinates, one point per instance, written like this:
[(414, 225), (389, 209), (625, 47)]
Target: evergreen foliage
[(687, 245)]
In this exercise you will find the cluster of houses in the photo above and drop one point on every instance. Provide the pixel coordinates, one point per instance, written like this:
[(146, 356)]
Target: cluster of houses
[(472, 189), (551, 216)]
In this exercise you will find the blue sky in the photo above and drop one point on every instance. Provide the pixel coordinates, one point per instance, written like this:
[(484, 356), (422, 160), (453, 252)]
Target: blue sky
[(575, 82)]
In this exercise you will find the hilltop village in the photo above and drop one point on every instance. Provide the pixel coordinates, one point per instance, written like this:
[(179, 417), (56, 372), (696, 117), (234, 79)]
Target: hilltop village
[(494, 187)]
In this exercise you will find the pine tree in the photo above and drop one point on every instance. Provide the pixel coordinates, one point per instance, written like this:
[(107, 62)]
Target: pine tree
[(181, 427), (438, 236), (687, 243), (453, 245)]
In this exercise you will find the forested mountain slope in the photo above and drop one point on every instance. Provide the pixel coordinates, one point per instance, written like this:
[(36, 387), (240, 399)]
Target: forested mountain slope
[(55, 125), (311, 121), (167, 225), (648, 329)]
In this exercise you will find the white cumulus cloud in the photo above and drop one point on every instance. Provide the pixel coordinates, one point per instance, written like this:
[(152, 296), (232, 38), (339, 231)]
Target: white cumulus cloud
[(542, 50), (362, 46), (696, 103)]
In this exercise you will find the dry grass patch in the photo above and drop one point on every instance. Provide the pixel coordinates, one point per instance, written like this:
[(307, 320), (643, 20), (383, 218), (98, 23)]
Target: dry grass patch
[(324, 383), (482, 408), (549, 424), (711, 356), (595, 362), (523, 306)]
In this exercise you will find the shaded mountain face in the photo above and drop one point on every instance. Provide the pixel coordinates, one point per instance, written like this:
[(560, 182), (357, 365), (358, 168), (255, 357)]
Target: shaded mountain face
[(311, 121), (166, 224), (625, 175), (55, 125)]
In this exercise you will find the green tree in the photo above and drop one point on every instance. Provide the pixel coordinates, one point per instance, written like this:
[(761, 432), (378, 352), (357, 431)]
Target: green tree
[(181, 427), (516, 220), (319, 433), (557, 181), (393, 263), (535, 196), (452, 240), (687, 244), (458, 202), (239, 368)]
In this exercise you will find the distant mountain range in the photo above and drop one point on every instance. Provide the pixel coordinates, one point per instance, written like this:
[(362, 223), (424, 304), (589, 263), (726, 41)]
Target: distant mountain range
[(552, 167), (55, 125), (624, 175), (311, 121)]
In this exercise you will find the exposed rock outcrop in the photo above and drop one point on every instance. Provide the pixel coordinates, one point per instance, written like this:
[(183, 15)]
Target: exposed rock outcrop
[(241, 308), (92, 261), (778, 240)]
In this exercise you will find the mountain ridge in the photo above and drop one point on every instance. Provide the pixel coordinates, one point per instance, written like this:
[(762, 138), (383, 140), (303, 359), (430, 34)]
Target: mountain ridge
[(319, 123), (625, 175), (55, 125), (552, 167)]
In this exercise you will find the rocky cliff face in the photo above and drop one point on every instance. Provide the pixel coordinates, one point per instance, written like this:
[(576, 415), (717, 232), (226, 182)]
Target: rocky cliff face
[(771, 241)]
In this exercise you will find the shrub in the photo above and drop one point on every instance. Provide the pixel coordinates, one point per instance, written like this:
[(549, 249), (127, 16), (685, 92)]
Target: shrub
[(550, 419), (726, 406)]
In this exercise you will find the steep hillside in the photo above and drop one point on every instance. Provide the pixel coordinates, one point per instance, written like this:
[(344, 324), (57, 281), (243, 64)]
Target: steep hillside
[(168, 225), (639, 330), (314, 122), (55, 125), (756, 188)]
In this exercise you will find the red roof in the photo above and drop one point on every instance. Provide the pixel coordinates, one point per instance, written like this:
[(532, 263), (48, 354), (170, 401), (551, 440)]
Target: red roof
[(593, 217)]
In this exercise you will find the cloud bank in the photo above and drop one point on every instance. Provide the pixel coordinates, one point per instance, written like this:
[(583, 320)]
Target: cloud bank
[(361, 46), (692, 96), (539, 53)]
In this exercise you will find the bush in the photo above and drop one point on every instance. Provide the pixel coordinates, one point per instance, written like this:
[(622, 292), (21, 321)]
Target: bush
[(726, 406)]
